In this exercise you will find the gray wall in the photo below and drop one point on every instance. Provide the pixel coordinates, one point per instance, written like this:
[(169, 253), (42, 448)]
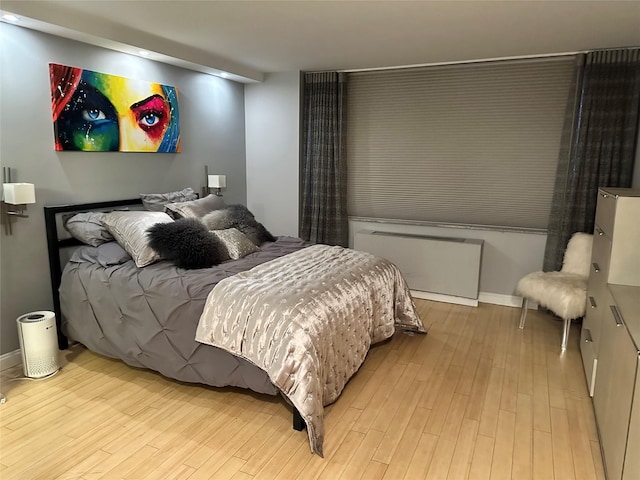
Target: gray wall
[(212, 133), (272, 124)]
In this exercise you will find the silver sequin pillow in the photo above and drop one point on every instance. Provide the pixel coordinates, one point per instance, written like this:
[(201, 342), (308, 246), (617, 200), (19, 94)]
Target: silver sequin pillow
[(130, 231), (237, 243)]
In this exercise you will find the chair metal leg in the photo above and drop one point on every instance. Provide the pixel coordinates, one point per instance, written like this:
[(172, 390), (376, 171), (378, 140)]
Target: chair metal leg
[(523, 314), (565, 333)]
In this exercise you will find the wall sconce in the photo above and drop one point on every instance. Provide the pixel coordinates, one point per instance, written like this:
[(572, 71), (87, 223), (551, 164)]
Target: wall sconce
[(217, 182), (15, 197)]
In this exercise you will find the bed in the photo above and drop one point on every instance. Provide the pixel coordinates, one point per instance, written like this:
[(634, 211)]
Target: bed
[(150, 316)]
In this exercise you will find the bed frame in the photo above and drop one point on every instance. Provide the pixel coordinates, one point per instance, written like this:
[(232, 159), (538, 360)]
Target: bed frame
[(55, 244)]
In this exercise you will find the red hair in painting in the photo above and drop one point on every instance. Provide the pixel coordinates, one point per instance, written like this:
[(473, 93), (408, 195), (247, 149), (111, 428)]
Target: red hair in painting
[(64, 81)]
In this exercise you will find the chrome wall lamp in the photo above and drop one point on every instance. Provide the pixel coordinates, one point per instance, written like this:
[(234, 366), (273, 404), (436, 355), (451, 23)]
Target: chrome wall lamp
[(215, 182), (15, 198)]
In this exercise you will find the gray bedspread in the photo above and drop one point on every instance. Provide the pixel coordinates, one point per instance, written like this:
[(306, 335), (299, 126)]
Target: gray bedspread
[(148, 316), (308, 319)]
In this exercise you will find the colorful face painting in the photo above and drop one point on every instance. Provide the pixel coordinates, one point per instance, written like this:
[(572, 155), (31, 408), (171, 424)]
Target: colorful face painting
[(96, 112)]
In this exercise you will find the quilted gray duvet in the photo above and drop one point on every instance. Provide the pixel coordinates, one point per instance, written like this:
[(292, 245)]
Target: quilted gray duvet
[(148, 316)]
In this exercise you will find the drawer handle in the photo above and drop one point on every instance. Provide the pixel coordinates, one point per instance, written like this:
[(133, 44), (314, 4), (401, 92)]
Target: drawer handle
[(616, 316), (593, 303), (600, 232), (587, 336), (596, 267), (603, 195)]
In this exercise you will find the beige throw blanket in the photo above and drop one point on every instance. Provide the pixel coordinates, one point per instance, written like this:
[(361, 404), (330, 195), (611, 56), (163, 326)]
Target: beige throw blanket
[(308, 319)]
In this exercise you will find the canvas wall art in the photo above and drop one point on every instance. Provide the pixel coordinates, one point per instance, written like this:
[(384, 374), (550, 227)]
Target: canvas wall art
[(97, 112)]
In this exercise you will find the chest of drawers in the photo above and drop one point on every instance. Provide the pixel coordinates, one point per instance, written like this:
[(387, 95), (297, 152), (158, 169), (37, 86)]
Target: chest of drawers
[(610, 336)]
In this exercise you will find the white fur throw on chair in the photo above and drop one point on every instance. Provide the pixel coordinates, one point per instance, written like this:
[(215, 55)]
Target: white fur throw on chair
[(563, 292)]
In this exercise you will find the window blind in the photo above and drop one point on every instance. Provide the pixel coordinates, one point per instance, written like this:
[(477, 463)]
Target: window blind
[(470, 143)]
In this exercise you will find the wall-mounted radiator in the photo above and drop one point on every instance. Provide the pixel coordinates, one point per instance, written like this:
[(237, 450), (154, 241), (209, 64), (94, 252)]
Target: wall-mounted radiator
[(440, 265)]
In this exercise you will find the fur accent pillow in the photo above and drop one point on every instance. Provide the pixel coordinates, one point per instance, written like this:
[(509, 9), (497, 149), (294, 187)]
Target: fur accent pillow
[(187, 243), (238, 216)]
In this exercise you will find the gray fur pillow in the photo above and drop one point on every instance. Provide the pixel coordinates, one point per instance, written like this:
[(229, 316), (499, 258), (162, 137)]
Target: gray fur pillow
[(187, 243), (238, 216)]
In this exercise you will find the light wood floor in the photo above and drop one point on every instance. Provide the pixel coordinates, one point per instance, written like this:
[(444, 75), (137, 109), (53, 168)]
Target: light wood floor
[(476, 398)]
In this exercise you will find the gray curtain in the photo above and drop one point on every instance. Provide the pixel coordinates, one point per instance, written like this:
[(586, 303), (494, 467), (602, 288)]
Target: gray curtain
[(324, 168), (599, 148)]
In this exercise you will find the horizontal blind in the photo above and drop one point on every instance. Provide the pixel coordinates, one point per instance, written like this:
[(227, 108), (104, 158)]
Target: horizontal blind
[(471, 144)]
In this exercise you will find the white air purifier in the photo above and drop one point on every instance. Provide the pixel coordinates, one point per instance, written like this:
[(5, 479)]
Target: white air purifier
[(38, 343)]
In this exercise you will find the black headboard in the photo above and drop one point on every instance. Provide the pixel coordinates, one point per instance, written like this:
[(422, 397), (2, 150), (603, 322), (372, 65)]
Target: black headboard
[(54, 244)]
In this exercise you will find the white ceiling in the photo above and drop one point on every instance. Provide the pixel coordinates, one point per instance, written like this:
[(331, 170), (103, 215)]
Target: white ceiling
[(250, 38)]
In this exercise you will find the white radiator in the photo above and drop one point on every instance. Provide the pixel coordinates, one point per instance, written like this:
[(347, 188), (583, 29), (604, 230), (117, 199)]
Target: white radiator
[(440, 265)]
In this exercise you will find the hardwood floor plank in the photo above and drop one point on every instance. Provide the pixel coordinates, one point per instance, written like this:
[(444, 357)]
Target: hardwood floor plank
[(411, 445), (379, 399), (509, 394), (442, 405), (501, 465), (579, 437), (523, 439), (396, 399), (363, 455), (447, 440), (525, 366), (561, 443), (399, 423), (420, 462), (463, 454), (482, 456), (491, 403), (479, 389), (336, 465), (84, 467), (374, 471), (541, 407), (542, 456)]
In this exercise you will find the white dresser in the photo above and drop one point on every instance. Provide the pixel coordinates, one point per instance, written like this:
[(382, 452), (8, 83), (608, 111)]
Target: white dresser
[(610, 336)]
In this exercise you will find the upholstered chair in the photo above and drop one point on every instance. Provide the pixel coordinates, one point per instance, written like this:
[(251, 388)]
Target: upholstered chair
[(564, 293)]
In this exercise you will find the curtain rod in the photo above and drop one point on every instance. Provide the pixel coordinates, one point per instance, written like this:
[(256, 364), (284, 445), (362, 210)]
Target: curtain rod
[(484, 60), (463, 62)]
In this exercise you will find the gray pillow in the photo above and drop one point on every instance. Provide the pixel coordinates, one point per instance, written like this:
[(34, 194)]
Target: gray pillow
[(111, 253), (88, 228), (155, 202), (237, 243), (107, 254), (196, 208), (130, 231)]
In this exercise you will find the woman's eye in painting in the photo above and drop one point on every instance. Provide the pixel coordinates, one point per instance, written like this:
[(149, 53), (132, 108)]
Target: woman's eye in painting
[(152, 115), (93, 114), (149, 119)]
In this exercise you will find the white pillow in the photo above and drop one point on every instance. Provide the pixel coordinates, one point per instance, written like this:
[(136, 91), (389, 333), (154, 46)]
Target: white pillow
[(130, 231)]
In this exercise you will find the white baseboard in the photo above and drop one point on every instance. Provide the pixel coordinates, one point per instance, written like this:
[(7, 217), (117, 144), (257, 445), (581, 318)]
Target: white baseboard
[(484, 297), (499, 299), (10, 359), (438, 297)]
